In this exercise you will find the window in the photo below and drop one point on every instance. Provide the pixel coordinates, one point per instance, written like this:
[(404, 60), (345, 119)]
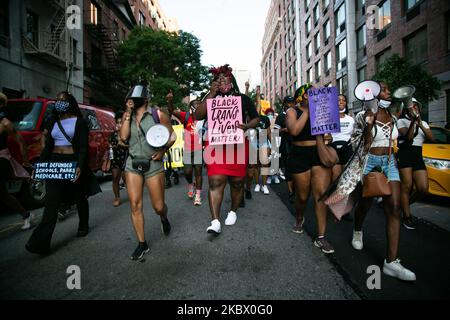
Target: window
[(281, 68), (342, 85), (293, 28), (307, 2), (340, 20), (316, 14), (448, 31), (275, 76), (309, 51), (115, 29), (24, 114), (317, 42), (362, 74), (411, 3), (33, 27), (361, 41), (294, 43), (384, 14), (318, 70), (341, 55), (4, 20), (294, 67), (275, 49), (309, 76), (95, 13), (141, 18), (360, 7), (327, 30), (96, 56), (74, 51), (328, 61), (286, 40), (382, 56), (308, 25), (325, 4), (270, 62), (286, 58), (416, 47)]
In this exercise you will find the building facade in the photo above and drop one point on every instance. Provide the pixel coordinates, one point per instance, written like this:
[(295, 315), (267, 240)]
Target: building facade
[(149, 13), (39, 56)]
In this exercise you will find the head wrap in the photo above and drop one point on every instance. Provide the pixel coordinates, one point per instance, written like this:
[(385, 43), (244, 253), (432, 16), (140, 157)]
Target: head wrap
[(227, 72), (301, 91)]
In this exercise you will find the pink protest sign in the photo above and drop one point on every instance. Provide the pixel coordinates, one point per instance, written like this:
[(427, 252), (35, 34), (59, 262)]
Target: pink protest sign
[(224, 117)]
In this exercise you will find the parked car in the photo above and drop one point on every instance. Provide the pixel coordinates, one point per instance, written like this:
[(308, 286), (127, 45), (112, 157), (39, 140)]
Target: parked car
[(30, 117), (437, 159)]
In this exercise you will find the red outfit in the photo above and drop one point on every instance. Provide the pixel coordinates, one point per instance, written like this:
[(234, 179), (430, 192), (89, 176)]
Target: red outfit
[(216, 164), (190, 133)]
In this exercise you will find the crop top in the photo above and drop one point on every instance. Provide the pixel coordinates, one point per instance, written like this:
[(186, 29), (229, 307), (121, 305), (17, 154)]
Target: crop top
[(305, 134), (382, 133), (58, 136)]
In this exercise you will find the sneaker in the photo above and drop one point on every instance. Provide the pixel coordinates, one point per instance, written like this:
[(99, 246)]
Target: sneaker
[(82, 233), (269, 180), (265, 190), (409, 223), (191, 190), (276, 180), (141, 249), (395, 269), (168, 184), (198, 199), (257, 188), (122, 186), (27, 222), (117, 203), (357, 241), (214, 227), (281, 174), (292, 197), (298, 228), (324, 245), (231, 218), (166, 227), (248, 194)]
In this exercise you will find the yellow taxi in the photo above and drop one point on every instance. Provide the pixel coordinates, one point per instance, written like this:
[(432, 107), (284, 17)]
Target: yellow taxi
[(437, 159)]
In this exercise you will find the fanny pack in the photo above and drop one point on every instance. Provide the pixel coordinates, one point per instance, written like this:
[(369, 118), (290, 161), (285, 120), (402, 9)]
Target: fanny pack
[(141, 165)]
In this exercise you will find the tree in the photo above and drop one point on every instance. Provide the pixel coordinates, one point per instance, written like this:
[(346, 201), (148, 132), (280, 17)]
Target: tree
[(165, 61), (399, 72)]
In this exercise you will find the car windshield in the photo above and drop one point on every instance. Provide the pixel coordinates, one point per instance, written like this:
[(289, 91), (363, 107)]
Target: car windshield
[(441, 136), (24, 114)]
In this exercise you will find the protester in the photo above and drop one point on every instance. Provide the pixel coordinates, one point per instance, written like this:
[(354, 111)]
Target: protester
[(67, 141), (374, 133), (144, 164), (9, 167), (169, 170), (308, 171), (413, 133), (193, 149), (234, 173), (285, 145), (270, 113), (119, 156)]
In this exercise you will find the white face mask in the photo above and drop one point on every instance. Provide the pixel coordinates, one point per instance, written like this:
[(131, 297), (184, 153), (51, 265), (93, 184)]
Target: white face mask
[(342, 111), (385, 104)]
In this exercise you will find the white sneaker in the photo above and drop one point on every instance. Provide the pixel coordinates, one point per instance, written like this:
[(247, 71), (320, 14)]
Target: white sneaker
[(27, 222), (395, 269), (214, 227), (357, 241), (231, 218), (257, 188), (276, 180), (265, 190), (269, 180)]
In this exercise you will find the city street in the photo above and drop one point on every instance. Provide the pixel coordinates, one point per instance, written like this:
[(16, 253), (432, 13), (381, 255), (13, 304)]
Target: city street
[(258, 258)]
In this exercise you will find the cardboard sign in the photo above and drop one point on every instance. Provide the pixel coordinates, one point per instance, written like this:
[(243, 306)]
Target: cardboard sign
[(324, 110), (224, 117), (55, 171), (176, 151)]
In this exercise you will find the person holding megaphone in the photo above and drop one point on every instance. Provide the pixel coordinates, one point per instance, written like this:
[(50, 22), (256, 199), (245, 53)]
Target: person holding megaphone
[(149, 134)]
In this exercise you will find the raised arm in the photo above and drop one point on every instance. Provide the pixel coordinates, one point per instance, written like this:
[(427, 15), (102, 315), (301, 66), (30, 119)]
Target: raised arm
[(200, 112), (125, 130)]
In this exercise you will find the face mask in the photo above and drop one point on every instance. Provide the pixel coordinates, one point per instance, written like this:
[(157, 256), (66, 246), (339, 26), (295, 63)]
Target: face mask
[(342, 111), (270, 116), (385, 104), (62, 106), (225, 88)]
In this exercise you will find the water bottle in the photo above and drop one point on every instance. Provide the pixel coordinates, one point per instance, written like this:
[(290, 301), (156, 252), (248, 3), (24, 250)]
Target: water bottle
[(111, 153)]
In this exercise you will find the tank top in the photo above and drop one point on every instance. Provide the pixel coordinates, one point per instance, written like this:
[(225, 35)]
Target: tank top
[(305, 134)]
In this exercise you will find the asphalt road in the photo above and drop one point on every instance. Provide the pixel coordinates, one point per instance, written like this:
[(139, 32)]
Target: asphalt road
[(259, 258)]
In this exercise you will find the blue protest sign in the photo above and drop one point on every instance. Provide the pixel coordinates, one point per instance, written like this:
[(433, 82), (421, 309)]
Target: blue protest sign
[(324, 110), (55, 170)]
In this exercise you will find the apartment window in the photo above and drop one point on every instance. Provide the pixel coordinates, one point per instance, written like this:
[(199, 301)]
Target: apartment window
[(342, 85), (309, 50), (384, 14), (416, 47), (308, 25), (294, 67), (317, 42), (341, 55), (316, 14), (307, 2), (275, 76), (360, 7), (328, 61), (287, 75), (309, 75), (141, 18), (95, 13), (96, 56), (286, 58), (279, 10), (275, 49), (340, 20), (270, 62), (115, 29), (361, 41), (33, 27), (294, 43), (293, 28), (289, 33), (281, 68), (327, 30), (411, 3), (381, 57), (362, 74), (280, 42), (325, 4), (318, 68), (74, 52), (286, 40)]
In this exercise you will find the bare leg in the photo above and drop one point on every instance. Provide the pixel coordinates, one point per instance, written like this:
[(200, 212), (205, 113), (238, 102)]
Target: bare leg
[(420, 178), (155, 187), (320, 181), (135, 186), (302, 182), (216, 189), (406, 186), (237, 188), (391, 206)]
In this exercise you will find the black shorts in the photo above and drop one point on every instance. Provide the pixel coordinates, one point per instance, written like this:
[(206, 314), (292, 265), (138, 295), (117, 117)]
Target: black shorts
[(302, 159), (410, 157), (344, 151)]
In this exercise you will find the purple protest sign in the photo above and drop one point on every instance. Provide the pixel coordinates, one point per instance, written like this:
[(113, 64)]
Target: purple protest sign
[(324, 110), (224, 117)]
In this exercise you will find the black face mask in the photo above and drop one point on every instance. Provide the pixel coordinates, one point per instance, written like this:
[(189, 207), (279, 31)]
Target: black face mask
[(138, 102)]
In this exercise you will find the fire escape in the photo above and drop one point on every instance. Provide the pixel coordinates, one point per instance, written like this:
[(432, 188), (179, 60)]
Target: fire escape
[(50, 44)]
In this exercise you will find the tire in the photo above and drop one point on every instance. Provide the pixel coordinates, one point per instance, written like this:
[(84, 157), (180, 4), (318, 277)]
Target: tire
[(33, 194)]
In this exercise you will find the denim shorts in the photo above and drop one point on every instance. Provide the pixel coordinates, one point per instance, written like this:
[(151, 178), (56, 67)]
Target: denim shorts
[(374, 162)]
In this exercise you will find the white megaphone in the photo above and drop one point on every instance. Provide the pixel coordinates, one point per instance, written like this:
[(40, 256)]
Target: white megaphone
[(405, 95), (367, 91), (158, 136)]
